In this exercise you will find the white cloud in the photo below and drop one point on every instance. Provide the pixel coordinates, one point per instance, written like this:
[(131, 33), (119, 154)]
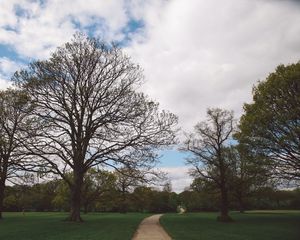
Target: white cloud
[(201, 54), (7, 68), (196, 54), (3, 83), (179, 177), (35, 29)]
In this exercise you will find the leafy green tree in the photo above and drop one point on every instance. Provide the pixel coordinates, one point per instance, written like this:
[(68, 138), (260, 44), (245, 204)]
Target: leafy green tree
[(205, 196), (61, 200), (143, 197), (271, 124), (203, 185), (247, 173), (89, 113), (42, 195), (209, 148), (196, 201), (14, 108), (173, 201), (295, 201), (126, 180), (96, 183), (11, 199)]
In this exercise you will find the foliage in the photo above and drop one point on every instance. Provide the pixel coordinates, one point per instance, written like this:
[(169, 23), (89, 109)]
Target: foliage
[(203, 196), (14, 109), (95, 184), (54, 196), (247, 174), (271, 124)]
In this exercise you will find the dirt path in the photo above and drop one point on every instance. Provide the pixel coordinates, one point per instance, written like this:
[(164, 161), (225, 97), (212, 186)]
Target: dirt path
[(150, 229)]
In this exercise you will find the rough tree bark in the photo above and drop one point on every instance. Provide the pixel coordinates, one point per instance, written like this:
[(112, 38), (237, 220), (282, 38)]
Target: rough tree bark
[(76, 197), (2, 187), (241, 204), (224, 216)]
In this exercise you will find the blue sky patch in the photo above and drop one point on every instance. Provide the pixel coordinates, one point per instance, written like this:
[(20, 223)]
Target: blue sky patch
[(172, 158), (132, 27), (8, 52)]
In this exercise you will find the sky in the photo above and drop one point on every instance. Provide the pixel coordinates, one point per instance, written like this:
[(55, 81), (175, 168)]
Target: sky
[(195, 54)]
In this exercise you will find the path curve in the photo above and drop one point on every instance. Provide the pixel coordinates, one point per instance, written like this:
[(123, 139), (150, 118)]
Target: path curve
[(150, 229)]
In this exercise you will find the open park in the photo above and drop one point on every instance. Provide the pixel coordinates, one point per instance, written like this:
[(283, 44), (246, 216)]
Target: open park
[(149, 120), (260, 225)]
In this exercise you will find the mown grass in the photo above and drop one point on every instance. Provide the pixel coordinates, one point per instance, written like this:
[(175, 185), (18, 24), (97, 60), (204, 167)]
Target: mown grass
[(51, 226), (256, 225)]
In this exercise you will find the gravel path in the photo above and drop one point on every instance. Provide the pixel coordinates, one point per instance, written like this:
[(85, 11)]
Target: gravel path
[(150, 229)]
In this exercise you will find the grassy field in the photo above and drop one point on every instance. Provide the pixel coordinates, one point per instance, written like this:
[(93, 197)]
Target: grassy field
[(254, 225), (50, 226)]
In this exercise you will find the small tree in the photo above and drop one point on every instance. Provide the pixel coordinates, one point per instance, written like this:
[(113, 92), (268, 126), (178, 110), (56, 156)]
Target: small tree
[(209, 148), (14, 107), (88, 112)]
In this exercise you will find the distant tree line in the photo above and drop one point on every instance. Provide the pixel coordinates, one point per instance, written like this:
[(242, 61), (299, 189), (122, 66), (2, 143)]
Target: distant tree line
[(103, 191), (109, 197)]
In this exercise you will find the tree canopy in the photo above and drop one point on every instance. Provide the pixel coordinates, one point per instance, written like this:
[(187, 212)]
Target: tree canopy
[(14, 109), (271, 124), (88, 111)]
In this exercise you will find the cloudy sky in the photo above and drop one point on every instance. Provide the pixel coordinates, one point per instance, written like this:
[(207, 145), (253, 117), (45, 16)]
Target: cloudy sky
[(195, 54)]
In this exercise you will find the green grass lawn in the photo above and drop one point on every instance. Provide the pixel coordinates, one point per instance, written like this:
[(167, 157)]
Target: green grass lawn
[(253, 225), (50, 226)]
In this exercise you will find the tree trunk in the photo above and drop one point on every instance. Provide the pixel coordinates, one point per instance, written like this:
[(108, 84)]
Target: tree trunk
[(241, 204), (85, 208), (2, 187), (123, 205), (242, 209), (224, 217), (3, 176), (76, 198)]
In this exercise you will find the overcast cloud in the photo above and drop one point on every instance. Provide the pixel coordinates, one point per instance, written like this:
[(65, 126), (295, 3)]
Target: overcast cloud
[(179, 178), (195, 54), (210, 53)]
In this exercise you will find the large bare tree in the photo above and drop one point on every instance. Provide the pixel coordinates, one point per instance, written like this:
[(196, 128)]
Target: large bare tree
[(208, 146), (88, 112), (14, 107)]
